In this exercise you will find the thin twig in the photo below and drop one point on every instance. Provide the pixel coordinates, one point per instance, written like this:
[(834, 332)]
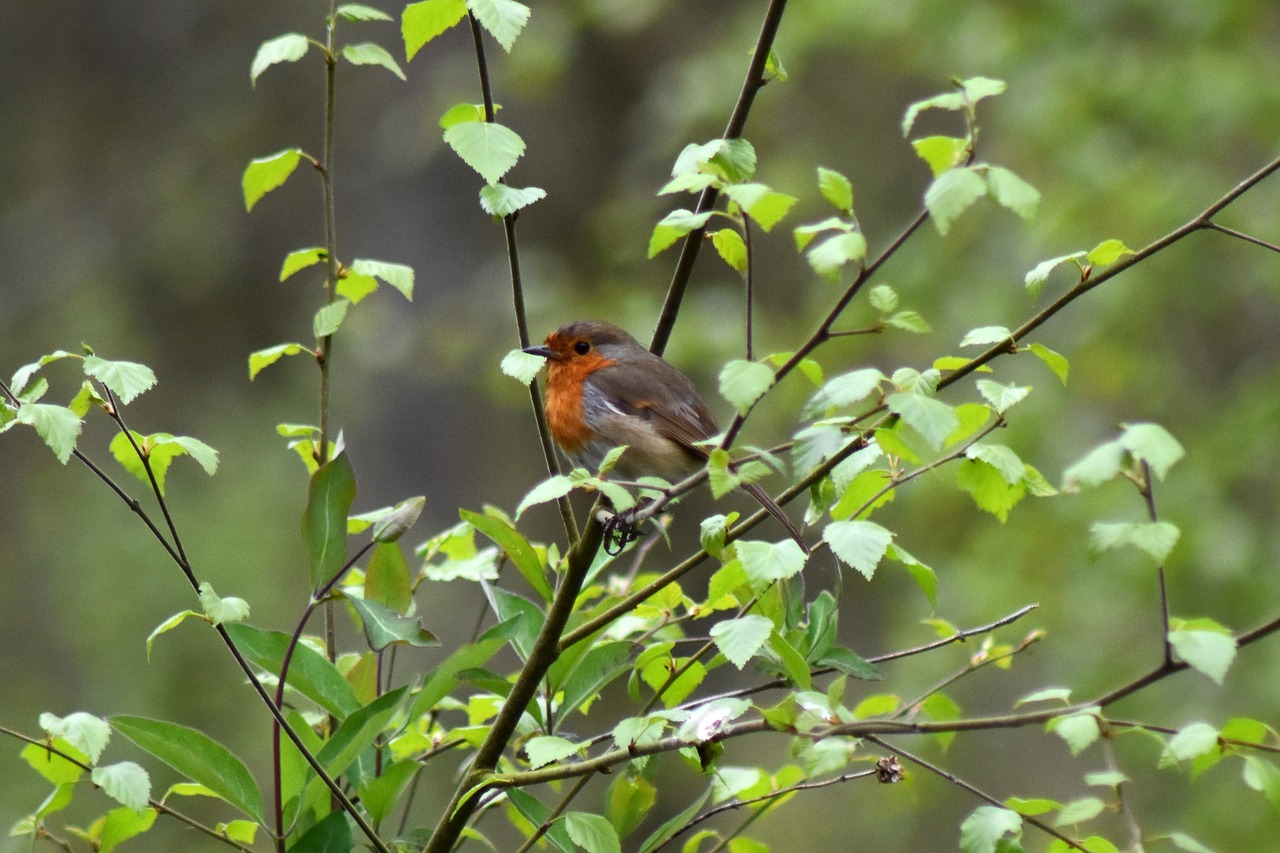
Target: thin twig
[(1248, 238), (555, 813)]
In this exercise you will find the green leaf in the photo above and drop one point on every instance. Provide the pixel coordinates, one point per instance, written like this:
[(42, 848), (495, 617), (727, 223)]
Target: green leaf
[(310, 672), (387, 578), (160, 449), (421, 22), (930, 417), (1001, 458), (951, 194), (1156, 538), (501, 200), (941, 153), (846, 661), (328, 319), (983, 830), (712, 533), (1098, 466), (266, 357), (1002, 397), (845, 390), (761, 203), (1206, 646), (125, 379), (742, 383), (829, 256), (124, 782), (977, 88), (739, 639), (324, 522), (385, 627), (1152, 443), (504, 19), (443, 680), (399, 276), (1039, 274), (330, 835), (668, 830), (515, 546), (547, 749), (550, 489), (628, 801), (289, 47), (1108, 252), (395, 523), (301, 259), (673, 226), (1049, 694), (592, 673), (381, 794), (1079, 730), (53, 767), (1032, 807), (1193, 741), (353, 287), (458, 113), (1261, 775), (1105, 778), (369, 53), (733, 160), (196, 756), (57, 426), (489, 148), (360, 12), (592, 832), (166, 626), (765, 562), (1185, 842), (836, 189), (883, 298), (1012, 192), (860, 544), (910, 321), (357, 732), (948, 101), (222, 611), (1079, 811), (119, 825), (731, 248), (989, 488), (1055, 362), (804, 234), (925, 577), (266, 173), (986, 335), (87, 733), (521, 366)]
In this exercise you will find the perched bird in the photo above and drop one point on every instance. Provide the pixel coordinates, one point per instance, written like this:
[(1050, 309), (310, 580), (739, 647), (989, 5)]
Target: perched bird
[(605, 390)]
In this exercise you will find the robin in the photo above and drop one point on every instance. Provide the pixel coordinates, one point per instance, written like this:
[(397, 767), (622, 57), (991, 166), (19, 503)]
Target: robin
[(605, 390)]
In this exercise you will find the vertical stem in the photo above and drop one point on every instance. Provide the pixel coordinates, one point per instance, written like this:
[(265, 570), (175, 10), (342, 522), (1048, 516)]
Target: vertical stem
[(746, 241)]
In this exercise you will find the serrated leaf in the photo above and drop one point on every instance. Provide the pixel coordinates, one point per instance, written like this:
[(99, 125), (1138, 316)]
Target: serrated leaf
[(999, 457), (836, 189), (501, 200), (930, 417), (1152, 444), (592, 832), (1002, 397), (766, 562), (1108, 252), (731, 248), (504, 19), (1079, 730), (124, 782), (986, 335), (489, 148), (1055, 362), (421, 22), (909, 321), (951, 194), (1156, 538), (86, 732), (399, 276), (521, 366), (1013, 192), (860, 544), (883, 298), (360, 12), (673, 226), (744, 382), (328, 318), (222, 610), (546, 749), (125, 379), (289, 47), (1206, 646), (353, 287), (1192, 741), (733, 161), (739, 639), (829, 256), (121, 824), (196, 756), (57, 426), (989, 488), (369, 53), (766, 206), (983, 830), (1185, 842), (267, 173), (941, 152), (23, 374), (1105, 778)]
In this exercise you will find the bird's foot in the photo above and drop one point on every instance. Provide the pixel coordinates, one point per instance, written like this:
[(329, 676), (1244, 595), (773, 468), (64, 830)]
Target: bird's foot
[(619, 532)]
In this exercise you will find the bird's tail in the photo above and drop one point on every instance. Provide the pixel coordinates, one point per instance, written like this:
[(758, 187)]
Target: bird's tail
[(771, 505)]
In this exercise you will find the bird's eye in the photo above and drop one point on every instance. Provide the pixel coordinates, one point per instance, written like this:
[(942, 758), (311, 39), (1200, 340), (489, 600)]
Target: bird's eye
[(582, 347)]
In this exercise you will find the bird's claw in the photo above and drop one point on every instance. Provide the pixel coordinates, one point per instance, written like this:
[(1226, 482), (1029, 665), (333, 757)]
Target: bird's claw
[(619, 532)]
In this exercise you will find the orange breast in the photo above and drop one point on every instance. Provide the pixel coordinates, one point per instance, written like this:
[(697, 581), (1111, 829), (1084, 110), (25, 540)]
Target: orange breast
[(564, 399)]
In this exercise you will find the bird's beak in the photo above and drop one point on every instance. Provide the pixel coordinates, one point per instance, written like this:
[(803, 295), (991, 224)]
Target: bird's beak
[(542, 350)]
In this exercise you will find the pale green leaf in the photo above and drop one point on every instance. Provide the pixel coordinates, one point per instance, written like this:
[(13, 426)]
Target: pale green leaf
[(986, 335), (1039, 274), (673, 226), (1108, 252), (941, 153), (360, 12), (836, 189), (489, 148), (742, 383), (930, 417), (804, 234), (501, 200), (1206, 646), (828, 257), (1192, 741), (910, 321), (222, 610), (504, 19), (548, 490), (125, 379), (951, 194), (300, 259), (423, 21), (860, 544), (1013, 192), (766, 206), (328, 318), (845, 390), (266, 357), (1097, 467), (999, 457), (1079, 811), (1152, 443), (459, 113), (883, 298), (1079, 730), (57, 426), (765, 562), (1157, 538), (369, 53), (289, 47), (739, 639), (731, 248), (947, 101), (592, 832), (399, 276), (1057, 363), (521, 366), (545, 749), (166, 626), (267, 173), (983, 830), (86, 732), (124, 782), (1002, 397)]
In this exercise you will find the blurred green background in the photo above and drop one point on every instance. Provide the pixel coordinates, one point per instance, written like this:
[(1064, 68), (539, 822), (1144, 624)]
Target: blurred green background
[(126, 127)]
